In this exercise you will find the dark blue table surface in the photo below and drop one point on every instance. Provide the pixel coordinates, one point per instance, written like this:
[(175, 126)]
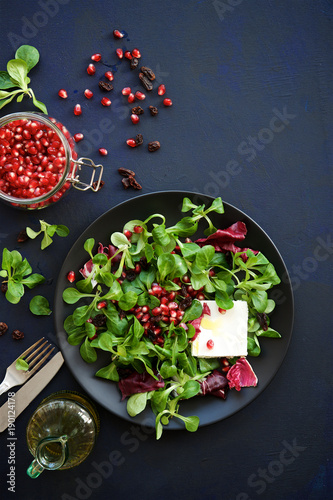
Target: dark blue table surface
[(251, 122)]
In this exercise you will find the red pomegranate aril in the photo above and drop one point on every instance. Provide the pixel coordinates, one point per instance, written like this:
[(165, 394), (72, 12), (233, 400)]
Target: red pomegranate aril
[(145, 318), (172, 295), (109, 75), (127, 233), (138, 229), (63, 94), (161, 89), (128, 55), (78, 137), (222, 311), (173, 314), (136, 53), (71, 276), (103, 151), (131, 143), (164, 308), (77, 110), (186, 279), (156, 311), (157, 289), (131, 98), (200, 296), (167, 102), (180, 314), (91, 70), (173, 305), (139, 315), (210, 344), (118, 34), (96, 57), (164, 300), (145, 309), (120, 53), (105, 101), (139, 95), (88, 93), (135, 118), (101, 304), (126, 91)]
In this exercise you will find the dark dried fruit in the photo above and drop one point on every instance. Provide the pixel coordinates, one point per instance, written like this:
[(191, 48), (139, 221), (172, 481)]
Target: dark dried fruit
[(137, 110), (146, 82), (149, 73), (99, 320), (184, 304), (126, 172), (139, 140), (134, 62), (17, 335), (153, 146), (144, 263), (262, 319), (153, 110), (3, 328), (101, 184), (126, 183), (105, 86), (4, 287), (130, 182), (130, 275), (22, 236)]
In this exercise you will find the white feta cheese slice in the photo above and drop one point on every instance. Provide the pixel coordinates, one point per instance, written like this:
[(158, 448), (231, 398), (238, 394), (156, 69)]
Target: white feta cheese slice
[(228, 332)]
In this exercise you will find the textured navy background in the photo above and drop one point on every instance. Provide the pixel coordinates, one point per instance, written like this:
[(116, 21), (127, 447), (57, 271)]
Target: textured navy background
[(230, 68)]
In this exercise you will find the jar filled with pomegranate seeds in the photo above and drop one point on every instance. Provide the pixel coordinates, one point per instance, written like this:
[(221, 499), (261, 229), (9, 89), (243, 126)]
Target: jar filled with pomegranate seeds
[(38, 161)]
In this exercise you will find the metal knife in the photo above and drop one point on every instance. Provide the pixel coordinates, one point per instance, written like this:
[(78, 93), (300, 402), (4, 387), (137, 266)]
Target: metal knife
[(30, 390)]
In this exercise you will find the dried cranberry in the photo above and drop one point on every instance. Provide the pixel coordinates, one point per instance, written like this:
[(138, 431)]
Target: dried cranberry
[(3, 328), (17, 335)]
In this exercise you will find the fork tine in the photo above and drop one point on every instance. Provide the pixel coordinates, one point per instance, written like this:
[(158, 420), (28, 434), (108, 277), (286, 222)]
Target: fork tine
[(35, 368), (38, 356), (36, 351), (30, 348)]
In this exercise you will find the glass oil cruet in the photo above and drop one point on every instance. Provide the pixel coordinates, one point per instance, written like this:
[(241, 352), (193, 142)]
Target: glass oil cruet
[(61, 432)]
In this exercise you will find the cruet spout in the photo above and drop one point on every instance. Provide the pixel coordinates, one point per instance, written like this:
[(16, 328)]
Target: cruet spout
[(51, 454)]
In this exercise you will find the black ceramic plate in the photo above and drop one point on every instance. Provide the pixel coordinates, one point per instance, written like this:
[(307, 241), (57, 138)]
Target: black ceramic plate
[(209, 409)]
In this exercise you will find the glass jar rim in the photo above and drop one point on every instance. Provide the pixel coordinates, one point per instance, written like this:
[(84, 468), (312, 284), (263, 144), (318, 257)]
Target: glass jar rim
[(50, 122)]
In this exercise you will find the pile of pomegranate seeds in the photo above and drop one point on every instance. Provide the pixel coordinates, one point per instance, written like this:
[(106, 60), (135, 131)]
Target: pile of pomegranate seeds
[(32, 159)]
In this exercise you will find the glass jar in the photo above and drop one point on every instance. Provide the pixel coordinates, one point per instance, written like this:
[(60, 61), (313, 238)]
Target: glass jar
[(38, 161)]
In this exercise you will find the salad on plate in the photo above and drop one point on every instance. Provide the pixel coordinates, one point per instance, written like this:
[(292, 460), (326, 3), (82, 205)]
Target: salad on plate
[(179, 315)]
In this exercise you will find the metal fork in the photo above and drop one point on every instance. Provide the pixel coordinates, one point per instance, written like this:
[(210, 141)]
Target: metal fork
[(34, 355)]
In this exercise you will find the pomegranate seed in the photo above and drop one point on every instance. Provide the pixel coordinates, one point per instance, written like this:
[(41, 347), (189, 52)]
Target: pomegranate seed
[(63, 94), (103, 151), (91, 70), (139, 315), (186, 279), (139, 95), (145, 309), (172, 295), (225, 362), (172, 320), (118, 34), (96, 57), (211, 272), (109, 75), (77, 110), (105, 101), (78, 137), (119, 53), (88, 93), (135, 119), (101, 304), (210, 344), (167, 102), (156, 289), (127, 233), (131, 143), (200, 296), (173, 305), (156, 311), (222, 311), (173, 314), (180, 314), (164, 300), (71, 276), (226, 369), (131, 98), (126, 91), (137, 269), (145, 318), (161, 89), (136, 53), (128, 55), (138, 229)]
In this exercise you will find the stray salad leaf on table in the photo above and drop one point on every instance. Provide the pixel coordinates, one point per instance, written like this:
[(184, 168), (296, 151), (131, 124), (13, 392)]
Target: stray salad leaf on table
[(48, 231), (148, 297)]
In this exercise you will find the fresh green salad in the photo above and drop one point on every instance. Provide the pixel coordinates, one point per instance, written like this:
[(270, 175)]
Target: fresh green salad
[(143, 298)]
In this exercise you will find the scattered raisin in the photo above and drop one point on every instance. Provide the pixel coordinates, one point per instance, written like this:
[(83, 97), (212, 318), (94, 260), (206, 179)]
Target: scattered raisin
[(122, 314), (153, 110), (134, 183), (125, 182), (101, 184), (144, 263), (184, 304), (4, 287), (134, 62), (262, 319), (126, 172), (3, 328), (139, 139), (99, 320), (149, 73), (17, 334), (22, 236), (130, 275), (105, 86), (137, 110), (146, 82), (154, 146)]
